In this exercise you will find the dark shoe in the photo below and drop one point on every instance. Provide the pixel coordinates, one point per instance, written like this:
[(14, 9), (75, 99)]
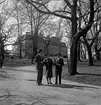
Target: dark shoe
[(51, 83), (41, 84), (38, 84)]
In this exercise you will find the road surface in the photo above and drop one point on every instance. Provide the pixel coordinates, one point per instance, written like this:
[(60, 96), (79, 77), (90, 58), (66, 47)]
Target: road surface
[(18, 87)]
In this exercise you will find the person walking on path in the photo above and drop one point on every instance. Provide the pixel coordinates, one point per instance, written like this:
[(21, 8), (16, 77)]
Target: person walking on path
[(58, 62), (39, 66), (48, 63)]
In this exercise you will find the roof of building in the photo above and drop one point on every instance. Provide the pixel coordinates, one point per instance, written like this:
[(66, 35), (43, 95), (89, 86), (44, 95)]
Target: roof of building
[(53, 40)]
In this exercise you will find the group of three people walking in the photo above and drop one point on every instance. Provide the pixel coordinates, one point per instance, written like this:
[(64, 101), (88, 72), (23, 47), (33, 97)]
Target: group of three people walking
[(48, 62)]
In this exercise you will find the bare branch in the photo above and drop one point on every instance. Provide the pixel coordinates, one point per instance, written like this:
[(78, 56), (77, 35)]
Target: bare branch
[(47, 10), (68, 3), (2, 1)]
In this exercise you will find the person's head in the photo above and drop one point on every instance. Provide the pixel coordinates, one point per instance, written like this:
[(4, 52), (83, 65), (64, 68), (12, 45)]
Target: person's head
[(59, 55), (40, 51), (47, 55)]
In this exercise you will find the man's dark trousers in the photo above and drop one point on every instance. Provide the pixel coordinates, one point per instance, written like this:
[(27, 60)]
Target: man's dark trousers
[(39, 73), (58, 73)]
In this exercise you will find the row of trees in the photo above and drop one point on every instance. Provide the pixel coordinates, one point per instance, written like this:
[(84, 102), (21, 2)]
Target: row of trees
[(6, 32), (21, 17), (77, 20), (76, 12)]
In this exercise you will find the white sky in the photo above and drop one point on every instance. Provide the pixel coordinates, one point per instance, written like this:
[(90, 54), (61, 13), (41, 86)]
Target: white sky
[(54, 3)]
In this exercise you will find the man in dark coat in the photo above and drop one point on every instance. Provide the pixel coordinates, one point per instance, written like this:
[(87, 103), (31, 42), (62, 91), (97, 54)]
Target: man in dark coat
[(39, 66), (58, 62), (48, 63)]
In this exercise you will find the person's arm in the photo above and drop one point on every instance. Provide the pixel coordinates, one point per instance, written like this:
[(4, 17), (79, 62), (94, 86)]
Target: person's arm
[(62, 62), (57, 63), (38, 59), (44, 61), (54, 62)]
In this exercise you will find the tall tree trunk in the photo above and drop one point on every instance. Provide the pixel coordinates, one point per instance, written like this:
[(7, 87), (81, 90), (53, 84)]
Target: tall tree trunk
[(74, 19), (73, 58), (34, 47), (97, 53), (90, 56), (2, 51), (73, 49), (20, 50), (35, 42), (83, 52), (78, 51)]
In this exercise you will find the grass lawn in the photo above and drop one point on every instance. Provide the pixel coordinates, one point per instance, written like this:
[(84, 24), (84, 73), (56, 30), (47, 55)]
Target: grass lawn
[(88, 74), (17, 62)]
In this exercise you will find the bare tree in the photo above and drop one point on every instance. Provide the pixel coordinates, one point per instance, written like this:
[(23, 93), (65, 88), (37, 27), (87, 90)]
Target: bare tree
[(48, 29), (2, 1), (69, 11), (5, 31), (20, 15), (92, 35), (36, 21)]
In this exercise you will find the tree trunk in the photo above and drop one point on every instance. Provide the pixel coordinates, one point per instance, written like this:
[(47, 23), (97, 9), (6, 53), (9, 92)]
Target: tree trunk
[(83, 52), (34, 47), (78, 51), (68, 62), (20, 56), (47, 51), (35, 42), (73, 49), (2, 51), (97, 53), (90, 56), (73, 58), (76, 37), (74, 19)]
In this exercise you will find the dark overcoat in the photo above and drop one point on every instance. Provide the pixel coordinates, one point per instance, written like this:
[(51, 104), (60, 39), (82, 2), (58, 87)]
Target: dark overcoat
[(39, 66), (48, 63)]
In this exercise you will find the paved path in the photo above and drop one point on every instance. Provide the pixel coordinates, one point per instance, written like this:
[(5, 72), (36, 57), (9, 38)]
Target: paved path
[(18, 87)]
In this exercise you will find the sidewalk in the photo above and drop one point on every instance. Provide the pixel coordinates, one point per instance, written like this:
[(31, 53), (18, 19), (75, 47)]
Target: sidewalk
[(21, 89)]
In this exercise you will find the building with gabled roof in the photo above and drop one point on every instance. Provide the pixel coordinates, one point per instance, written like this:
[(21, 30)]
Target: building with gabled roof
[(55, 45)]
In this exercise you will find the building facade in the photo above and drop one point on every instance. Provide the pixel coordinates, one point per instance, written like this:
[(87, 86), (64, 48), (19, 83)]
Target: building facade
[(55, 45)]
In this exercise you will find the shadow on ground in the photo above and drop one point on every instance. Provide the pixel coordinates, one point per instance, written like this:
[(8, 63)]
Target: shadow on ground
[(86, 78), (69, 86), (14, 69), (10, 98), (4, 75), (89, 74)]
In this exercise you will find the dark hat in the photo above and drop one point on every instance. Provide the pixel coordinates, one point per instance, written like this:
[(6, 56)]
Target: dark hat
[(40, 50), (46, 54), (58, 54)]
